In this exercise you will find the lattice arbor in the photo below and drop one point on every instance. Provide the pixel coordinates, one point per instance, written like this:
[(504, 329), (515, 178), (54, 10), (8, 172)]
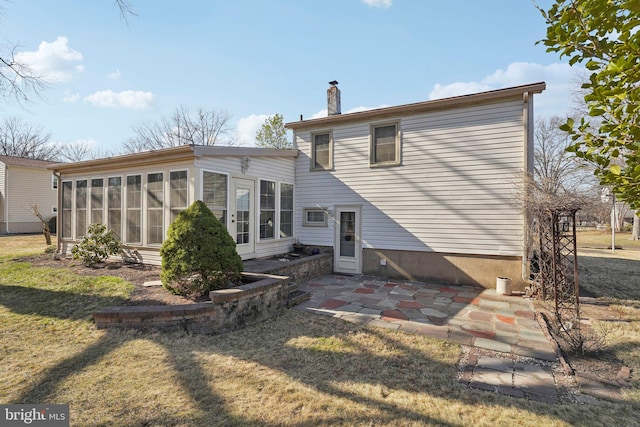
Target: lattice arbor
[(554, 263)]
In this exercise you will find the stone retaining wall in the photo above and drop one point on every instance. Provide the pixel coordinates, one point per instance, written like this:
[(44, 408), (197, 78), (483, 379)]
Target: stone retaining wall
[(229, 309), (303, 269)]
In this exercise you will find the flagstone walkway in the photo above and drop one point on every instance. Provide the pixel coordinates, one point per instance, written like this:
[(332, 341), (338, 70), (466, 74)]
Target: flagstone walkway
[(475, 317)]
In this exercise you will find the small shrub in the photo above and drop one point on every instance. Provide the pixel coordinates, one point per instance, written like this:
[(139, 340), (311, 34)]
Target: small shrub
[(50, 250), (198, 255), (97, 245), (53, 223)]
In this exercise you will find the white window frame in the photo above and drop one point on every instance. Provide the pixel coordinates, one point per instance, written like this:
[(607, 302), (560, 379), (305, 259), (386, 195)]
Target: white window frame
[(293, 209), (108, 204), (145, 221), (104, 199), (398, 145), (54, 182), (228, 177), (276, 211), (67, 212), (126, 237), (312, 153), (307, 223), (182, 208), (75, 207)]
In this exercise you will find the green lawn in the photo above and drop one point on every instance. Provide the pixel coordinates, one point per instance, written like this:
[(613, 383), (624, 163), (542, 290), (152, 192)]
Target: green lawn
[(602, 239), (296, 370)]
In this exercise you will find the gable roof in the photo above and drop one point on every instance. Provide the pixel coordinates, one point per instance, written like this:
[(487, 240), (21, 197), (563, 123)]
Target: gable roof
[(419, 107), (27, 163)]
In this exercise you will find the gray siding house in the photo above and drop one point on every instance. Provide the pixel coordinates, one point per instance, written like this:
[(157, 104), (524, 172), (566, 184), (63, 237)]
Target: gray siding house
[(423, 191)]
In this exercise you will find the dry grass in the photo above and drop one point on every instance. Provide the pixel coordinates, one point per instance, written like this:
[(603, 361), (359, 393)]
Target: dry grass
[(602, 239), (23, 245), (296, 370)]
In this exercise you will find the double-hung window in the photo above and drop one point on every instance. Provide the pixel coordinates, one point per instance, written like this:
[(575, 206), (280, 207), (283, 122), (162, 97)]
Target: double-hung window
[(321, 151), (97, 200), (385, 145), (134, 208), (155, 205), (286, 210), (178, 192), (67, 208), (214, 194), (81, 208), (114, 205), (267, 209)]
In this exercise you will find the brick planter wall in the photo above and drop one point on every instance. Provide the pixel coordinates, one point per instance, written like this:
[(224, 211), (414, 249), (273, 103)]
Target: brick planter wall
[(303, 269), (229, 309)]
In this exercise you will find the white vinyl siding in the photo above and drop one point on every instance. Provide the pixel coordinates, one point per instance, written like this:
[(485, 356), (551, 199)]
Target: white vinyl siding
[(453, 193)]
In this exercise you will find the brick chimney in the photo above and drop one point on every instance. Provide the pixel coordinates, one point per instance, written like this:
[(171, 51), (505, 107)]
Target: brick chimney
[(333, 99)]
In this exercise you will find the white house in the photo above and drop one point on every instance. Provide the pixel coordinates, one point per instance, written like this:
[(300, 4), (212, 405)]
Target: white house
[(423, 191), (250, 190), (25, 183)]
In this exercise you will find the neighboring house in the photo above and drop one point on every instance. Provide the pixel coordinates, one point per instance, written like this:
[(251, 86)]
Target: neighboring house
[(250, 190), (423, 191), (25, 183)]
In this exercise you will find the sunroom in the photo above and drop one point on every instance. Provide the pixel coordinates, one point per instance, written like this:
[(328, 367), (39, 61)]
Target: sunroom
[(251, 190)]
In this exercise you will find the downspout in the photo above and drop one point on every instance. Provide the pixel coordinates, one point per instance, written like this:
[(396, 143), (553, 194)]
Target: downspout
[(59, 210), (527, 116), (6, 199)]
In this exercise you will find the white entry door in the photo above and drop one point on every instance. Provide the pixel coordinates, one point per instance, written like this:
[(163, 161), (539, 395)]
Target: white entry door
[(348, 248), (243, 216)]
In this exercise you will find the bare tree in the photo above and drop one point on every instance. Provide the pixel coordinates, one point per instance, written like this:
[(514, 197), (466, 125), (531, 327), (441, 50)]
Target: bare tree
[(19, 81), (45, 223), (75, 151), (557, 171), (21, 139), (203, 127)]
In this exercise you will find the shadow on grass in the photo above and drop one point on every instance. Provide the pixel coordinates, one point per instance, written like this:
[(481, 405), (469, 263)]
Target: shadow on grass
[(604, 277), (299, 346)]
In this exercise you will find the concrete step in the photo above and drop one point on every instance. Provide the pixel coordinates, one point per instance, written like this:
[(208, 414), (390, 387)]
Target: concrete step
[(296, 297)]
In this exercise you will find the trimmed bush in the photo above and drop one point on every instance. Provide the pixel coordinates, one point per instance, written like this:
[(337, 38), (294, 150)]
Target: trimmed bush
[(198, 255), (97, 245)]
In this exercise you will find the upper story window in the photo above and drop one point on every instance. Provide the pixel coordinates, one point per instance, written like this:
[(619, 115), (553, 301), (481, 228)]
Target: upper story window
[(321, 151), (385, 145)]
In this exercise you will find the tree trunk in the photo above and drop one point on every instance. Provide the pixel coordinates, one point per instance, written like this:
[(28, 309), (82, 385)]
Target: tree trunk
[(635, 235), (47, 233)]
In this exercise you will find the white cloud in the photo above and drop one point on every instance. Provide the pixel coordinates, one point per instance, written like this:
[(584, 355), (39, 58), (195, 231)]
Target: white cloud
[(324, 112), (55, 61), (247, 128), (128, 99), (378, 3), (115, 75), (561, 81), (71, 97)]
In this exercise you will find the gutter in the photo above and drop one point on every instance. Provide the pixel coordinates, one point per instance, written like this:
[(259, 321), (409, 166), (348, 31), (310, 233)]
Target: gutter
[(6, 199)]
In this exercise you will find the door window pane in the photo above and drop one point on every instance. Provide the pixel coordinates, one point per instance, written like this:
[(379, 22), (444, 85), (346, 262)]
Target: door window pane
[(243, 222), (347, 234)]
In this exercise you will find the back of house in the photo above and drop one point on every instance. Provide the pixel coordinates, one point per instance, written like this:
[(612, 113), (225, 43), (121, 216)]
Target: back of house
[(425, 191)]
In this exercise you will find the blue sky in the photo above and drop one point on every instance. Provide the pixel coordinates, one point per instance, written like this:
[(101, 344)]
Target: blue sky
[(256, 58)]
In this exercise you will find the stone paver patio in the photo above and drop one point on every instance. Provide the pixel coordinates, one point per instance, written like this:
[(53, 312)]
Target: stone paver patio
[(475, 317)]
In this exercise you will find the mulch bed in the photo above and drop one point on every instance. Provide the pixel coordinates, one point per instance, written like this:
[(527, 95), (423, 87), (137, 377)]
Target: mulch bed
[(137, 274)]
